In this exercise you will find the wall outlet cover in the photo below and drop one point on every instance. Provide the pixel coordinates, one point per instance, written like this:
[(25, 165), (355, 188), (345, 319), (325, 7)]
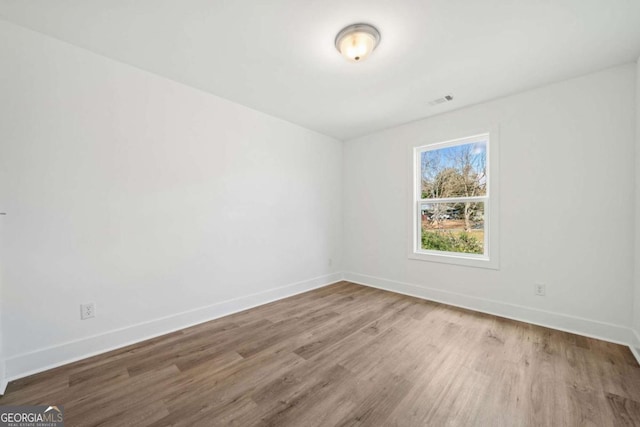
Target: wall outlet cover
[(87, 311)]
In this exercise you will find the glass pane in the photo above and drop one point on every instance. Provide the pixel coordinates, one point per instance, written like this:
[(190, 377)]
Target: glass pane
[(458, 171), (453, 227)]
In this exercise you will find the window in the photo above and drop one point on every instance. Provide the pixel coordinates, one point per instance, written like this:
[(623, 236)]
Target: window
[(452, 218)]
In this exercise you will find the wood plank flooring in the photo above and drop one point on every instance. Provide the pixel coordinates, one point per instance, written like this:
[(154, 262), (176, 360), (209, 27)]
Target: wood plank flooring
[(348, 355)]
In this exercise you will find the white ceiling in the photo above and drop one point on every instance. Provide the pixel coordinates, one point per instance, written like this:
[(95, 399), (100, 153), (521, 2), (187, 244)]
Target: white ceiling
[(277, 56)]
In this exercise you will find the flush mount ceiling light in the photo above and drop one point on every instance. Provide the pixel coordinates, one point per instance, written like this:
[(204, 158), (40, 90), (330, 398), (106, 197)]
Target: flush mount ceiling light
[(357, 41)]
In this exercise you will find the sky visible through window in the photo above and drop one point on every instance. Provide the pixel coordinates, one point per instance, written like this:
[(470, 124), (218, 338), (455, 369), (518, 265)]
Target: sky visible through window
[(446, 171)]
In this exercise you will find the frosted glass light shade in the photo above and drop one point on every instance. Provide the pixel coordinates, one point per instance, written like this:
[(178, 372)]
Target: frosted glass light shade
[(356, 42)]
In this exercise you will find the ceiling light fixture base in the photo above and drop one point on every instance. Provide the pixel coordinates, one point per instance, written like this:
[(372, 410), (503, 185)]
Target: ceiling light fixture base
[(356, 42)]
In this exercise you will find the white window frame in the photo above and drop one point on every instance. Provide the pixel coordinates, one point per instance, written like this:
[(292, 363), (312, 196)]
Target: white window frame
[(490, 259)]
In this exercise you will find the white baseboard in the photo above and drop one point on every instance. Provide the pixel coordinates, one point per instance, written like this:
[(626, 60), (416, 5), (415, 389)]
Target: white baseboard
[(590, 328), (3, 378), (40, 360), (51, 357)]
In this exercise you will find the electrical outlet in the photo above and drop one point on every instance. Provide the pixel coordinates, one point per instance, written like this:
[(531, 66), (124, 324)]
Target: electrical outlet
[(88, 310), (539, 289), (330, 263)]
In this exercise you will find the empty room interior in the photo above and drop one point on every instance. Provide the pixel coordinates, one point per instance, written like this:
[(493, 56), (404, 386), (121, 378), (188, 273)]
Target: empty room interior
[(320, 213)]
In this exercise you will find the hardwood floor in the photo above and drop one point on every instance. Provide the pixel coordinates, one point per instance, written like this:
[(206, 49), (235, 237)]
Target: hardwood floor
[(349, 355)]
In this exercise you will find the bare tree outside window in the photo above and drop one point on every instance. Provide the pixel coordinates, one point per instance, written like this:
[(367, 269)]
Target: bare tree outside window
[(453, 189)]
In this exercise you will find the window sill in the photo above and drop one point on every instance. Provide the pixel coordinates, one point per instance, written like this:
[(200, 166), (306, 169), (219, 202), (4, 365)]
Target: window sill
[(465, 260)]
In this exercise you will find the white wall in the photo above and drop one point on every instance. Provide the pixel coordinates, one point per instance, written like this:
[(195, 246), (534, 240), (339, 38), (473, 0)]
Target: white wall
[(148, 198), (3, 376), (567, 203), (636, 311)]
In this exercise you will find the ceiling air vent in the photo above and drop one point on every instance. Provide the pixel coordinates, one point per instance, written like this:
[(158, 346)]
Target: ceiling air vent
[(442, 100)]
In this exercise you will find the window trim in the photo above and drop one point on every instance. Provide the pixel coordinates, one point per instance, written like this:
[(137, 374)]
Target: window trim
[(490, 259)]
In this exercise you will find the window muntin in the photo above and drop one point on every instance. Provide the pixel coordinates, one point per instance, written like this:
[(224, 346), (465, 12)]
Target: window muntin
[(452, 198)]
